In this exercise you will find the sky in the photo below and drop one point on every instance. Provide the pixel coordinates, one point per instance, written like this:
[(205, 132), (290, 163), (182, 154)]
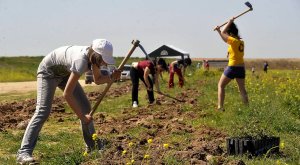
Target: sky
[(36, 27)]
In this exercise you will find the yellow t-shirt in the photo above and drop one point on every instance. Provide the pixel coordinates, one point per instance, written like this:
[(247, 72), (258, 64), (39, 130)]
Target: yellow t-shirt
[(235, 51)]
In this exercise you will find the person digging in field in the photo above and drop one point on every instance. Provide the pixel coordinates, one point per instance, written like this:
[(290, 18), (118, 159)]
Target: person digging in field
[(253, 70), (236, 68), (62, 68), (142, 70), (206, 65), (178, 67), (266, 67)]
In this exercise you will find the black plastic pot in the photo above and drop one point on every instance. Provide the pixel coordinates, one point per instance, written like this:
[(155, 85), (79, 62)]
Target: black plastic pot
[(249, 145)]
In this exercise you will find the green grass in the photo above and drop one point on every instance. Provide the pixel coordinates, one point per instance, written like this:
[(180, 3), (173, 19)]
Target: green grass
[(55, 146), (14, 69), (274, 110), (17, 96)]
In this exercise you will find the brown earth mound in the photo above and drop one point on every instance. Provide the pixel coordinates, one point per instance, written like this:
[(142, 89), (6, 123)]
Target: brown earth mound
[(17, 114), (202, 144)]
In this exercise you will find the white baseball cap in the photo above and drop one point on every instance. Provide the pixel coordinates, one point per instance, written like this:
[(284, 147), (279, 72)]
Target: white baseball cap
[(105, 49)]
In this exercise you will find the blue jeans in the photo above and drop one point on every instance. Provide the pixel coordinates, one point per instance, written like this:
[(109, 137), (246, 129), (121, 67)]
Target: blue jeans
[(45, 92)]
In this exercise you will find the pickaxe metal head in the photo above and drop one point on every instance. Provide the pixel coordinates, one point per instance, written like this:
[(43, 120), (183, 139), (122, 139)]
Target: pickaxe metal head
[(249, 5)]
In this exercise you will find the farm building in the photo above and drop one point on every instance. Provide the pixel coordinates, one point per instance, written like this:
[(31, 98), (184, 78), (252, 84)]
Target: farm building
[(168, 51)]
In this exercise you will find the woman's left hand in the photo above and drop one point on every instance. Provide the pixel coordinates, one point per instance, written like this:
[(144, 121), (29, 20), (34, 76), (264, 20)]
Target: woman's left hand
[(87, 119), (116, 74), (218, 28)]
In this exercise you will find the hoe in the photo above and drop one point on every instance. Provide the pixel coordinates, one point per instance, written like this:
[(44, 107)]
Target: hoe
[(248, 4), (99, 99)]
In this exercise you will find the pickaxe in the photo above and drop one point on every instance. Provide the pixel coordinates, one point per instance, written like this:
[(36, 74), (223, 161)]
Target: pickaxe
[(99, 99), (148, 57), (144, 51), (169, 96), (248, 4)]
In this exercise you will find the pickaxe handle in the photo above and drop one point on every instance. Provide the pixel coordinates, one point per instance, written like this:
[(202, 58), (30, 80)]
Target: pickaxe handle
[(135, 44), (169, 96), (235, 17)]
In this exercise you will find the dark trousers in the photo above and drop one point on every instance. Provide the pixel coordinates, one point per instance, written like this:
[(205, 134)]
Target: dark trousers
[(134, 75)]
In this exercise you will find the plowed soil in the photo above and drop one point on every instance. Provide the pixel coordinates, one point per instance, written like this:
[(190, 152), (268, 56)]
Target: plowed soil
[(201, 145)]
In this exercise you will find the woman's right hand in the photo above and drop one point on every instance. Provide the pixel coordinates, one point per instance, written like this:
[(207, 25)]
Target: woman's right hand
[(87, 119), (116, 74), (149, 89), (217, 28)]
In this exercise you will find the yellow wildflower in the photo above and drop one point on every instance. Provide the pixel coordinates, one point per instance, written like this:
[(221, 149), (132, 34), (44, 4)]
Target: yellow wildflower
[(146, 156), (130, 144), (149, 141), (85, 154), (132, 161), (278, 162), (166, 145), (281, 145), (124, 152), (94, 137)]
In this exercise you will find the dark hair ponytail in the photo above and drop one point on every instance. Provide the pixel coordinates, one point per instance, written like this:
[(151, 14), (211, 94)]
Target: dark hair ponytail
[(162, 63), (187, 61), (233, 30)]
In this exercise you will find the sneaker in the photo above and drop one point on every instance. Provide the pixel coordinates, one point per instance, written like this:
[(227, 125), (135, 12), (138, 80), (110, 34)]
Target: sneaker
[(221, 109), (134, 105), (24, 158)]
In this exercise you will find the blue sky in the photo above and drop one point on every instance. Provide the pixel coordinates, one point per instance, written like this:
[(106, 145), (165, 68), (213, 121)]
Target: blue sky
[(35, 27)]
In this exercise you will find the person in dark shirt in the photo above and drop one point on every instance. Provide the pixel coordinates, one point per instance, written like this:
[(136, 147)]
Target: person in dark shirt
[(141, 70), (266, 67)]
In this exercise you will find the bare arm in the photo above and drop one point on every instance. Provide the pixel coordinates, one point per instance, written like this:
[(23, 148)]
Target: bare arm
[(98, 77), (157, 82), (223, 33), (146, 74), (68, 95), (172, 64)]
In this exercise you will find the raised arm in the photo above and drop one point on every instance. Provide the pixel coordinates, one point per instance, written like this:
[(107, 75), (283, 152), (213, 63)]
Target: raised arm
[(223, 33)]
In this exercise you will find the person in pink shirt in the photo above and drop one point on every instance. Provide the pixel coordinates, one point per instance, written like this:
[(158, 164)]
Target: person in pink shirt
[(141, 71)]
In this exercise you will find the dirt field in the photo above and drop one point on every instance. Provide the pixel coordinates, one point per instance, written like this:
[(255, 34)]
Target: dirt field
[(19, 87), (22, 87), (14, 113), (203, 142)]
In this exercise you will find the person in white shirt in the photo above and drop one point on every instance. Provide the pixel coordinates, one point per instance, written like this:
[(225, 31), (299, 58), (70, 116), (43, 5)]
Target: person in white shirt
[(62, 68)]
